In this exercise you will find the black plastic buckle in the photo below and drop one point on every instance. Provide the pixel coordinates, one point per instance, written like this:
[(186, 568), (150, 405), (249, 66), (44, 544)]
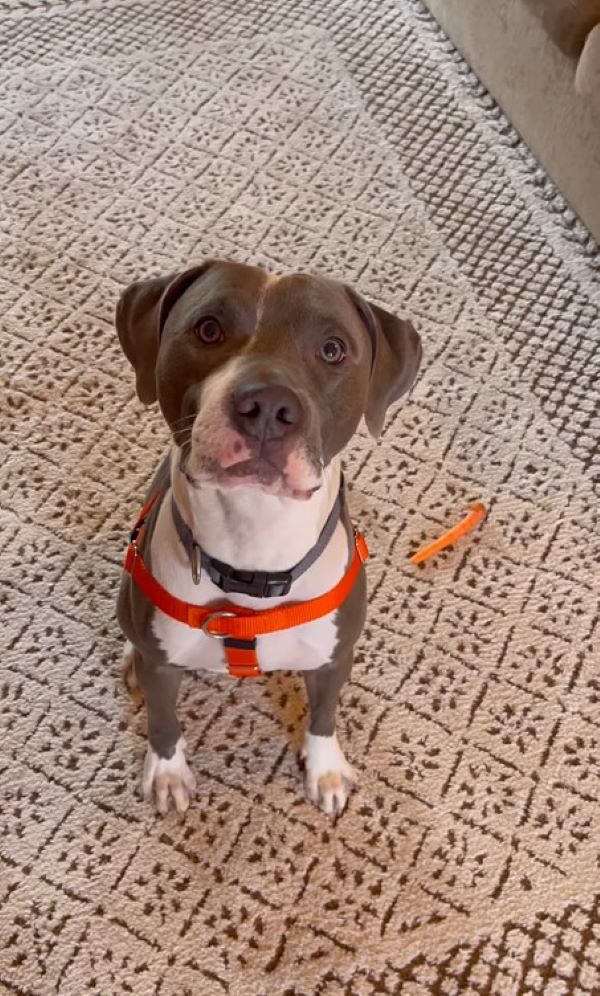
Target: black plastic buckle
[(259, 584), (135, 532)]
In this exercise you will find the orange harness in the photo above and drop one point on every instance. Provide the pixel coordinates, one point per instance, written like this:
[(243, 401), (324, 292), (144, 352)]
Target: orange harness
[(236, 626)]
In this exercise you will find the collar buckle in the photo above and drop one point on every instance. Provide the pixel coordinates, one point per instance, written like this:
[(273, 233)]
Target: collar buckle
[(260, 584)]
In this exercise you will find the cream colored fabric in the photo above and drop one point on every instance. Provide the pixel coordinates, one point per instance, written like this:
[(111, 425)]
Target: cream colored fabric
[(343, 138), (568, 22), (508, 46), (587, 77)]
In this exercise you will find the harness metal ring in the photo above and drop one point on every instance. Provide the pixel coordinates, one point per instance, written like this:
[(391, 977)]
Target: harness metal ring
[(216, 615)]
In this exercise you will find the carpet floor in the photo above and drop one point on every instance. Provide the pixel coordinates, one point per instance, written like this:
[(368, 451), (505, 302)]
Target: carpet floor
[(346, 137)]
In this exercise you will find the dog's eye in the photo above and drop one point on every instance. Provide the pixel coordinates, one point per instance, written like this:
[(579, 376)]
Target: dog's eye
[(209, 331), (333, 350)]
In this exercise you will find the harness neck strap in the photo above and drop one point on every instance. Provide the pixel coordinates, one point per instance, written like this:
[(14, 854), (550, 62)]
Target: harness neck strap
[(260, 584)]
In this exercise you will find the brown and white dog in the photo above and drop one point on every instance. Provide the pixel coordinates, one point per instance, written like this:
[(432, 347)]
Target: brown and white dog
[(263, 381)]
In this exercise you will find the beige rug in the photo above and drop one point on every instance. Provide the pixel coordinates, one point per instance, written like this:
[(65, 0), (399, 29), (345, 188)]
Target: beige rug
[(346, 137)]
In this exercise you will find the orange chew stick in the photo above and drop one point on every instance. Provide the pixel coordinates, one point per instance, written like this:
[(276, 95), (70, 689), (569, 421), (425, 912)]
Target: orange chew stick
[(475, 516)]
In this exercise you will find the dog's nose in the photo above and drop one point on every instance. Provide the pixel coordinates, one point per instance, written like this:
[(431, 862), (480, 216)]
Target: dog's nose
[(266, 411)]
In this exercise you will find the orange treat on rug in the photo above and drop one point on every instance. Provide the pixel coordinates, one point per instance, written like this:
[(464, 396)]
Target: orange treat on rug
[(475, 516)]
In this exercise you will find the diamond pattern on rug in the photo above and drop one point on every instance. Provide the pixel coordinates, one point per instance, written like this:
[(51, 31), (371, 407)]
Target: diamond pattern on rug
[(344, 138)]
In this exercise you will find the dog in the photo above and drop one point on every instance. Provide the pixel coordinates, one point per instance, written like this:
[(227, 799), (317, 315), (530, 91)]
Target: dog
[(244, 559)]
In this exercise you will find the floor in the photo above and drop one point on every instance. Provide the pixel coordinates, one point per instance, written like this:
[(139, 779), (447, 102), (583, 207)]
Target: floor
[(346, 137)]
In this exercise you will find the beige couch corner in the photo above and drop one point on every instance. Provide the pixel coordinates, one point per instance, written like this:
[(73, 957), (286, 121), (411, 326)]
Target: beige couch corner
[(540, 59)]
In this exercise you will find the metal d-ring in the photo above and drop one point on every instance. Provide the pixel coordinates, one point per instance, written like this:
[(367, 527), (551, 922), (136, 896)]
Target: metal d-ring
[(196, 563), (216, 615)]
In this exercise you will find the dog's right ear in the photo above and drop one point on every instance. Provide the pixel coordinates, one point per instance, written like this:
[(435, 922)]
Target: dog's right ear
[(141, 313), (137, 325)]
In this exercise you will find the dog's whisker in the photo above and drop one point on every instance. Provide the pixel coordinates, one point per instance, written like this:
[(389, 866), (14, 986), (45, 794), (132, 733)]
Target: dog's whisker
[(183, 418), (185, 449), (181, 430), (186, 419)]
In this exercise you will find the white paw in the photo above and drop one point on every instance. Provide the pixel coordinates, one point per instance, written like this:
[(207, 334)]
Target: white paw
[(329, 777), (168, 776)]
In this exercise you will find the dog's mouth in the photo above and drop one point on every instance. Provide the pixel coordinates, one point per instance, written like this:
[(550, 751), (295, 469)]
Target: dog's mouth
[(263, 473), (257, 472)]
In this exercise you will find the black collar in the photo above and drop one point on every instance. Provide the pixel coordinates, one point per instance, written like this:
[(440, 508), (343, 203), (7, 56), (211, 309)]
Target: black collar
[(260, 584)]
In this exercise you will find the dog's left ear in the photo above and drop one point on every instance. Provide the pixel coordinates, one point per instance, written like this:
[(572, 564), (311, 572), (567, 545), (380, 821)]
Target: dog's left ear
[(141, 313), (397, 353)]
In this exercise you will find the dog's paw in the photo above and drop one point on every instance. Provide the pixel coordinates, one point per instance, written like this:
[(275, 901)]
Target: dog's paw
[(329, 777), (168, 777)]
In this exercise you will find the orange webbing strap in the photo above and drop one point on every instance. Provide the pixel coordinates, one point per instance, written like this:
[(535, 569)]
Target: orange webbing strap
[(141, 519), (242, 661), (248, 624), (238, 627)]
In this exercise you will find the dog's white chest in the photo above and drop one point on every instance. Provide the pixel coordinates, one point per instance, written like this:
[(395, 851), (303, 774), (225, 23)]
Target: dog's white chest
[(302, 648)]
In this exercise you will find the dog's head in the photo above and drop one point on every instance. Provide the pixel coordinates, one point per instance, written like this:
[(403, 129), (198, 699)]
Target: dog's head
[(263, 379)]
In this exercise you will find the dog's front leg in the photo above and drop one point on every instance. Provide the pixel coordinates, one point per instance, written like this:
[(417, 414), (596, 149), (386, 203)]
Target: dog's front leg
[(329, 777), (166, 772)]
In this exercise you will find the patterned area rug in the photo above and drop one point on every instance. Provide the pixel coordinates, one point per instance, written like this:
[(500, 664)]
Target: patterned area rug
[(348, 138)]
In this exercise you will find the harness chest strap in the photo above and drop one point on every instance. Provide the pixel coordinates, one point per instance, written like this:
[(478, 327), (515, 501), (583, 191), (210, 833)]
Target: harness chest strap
[(237, 626)]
